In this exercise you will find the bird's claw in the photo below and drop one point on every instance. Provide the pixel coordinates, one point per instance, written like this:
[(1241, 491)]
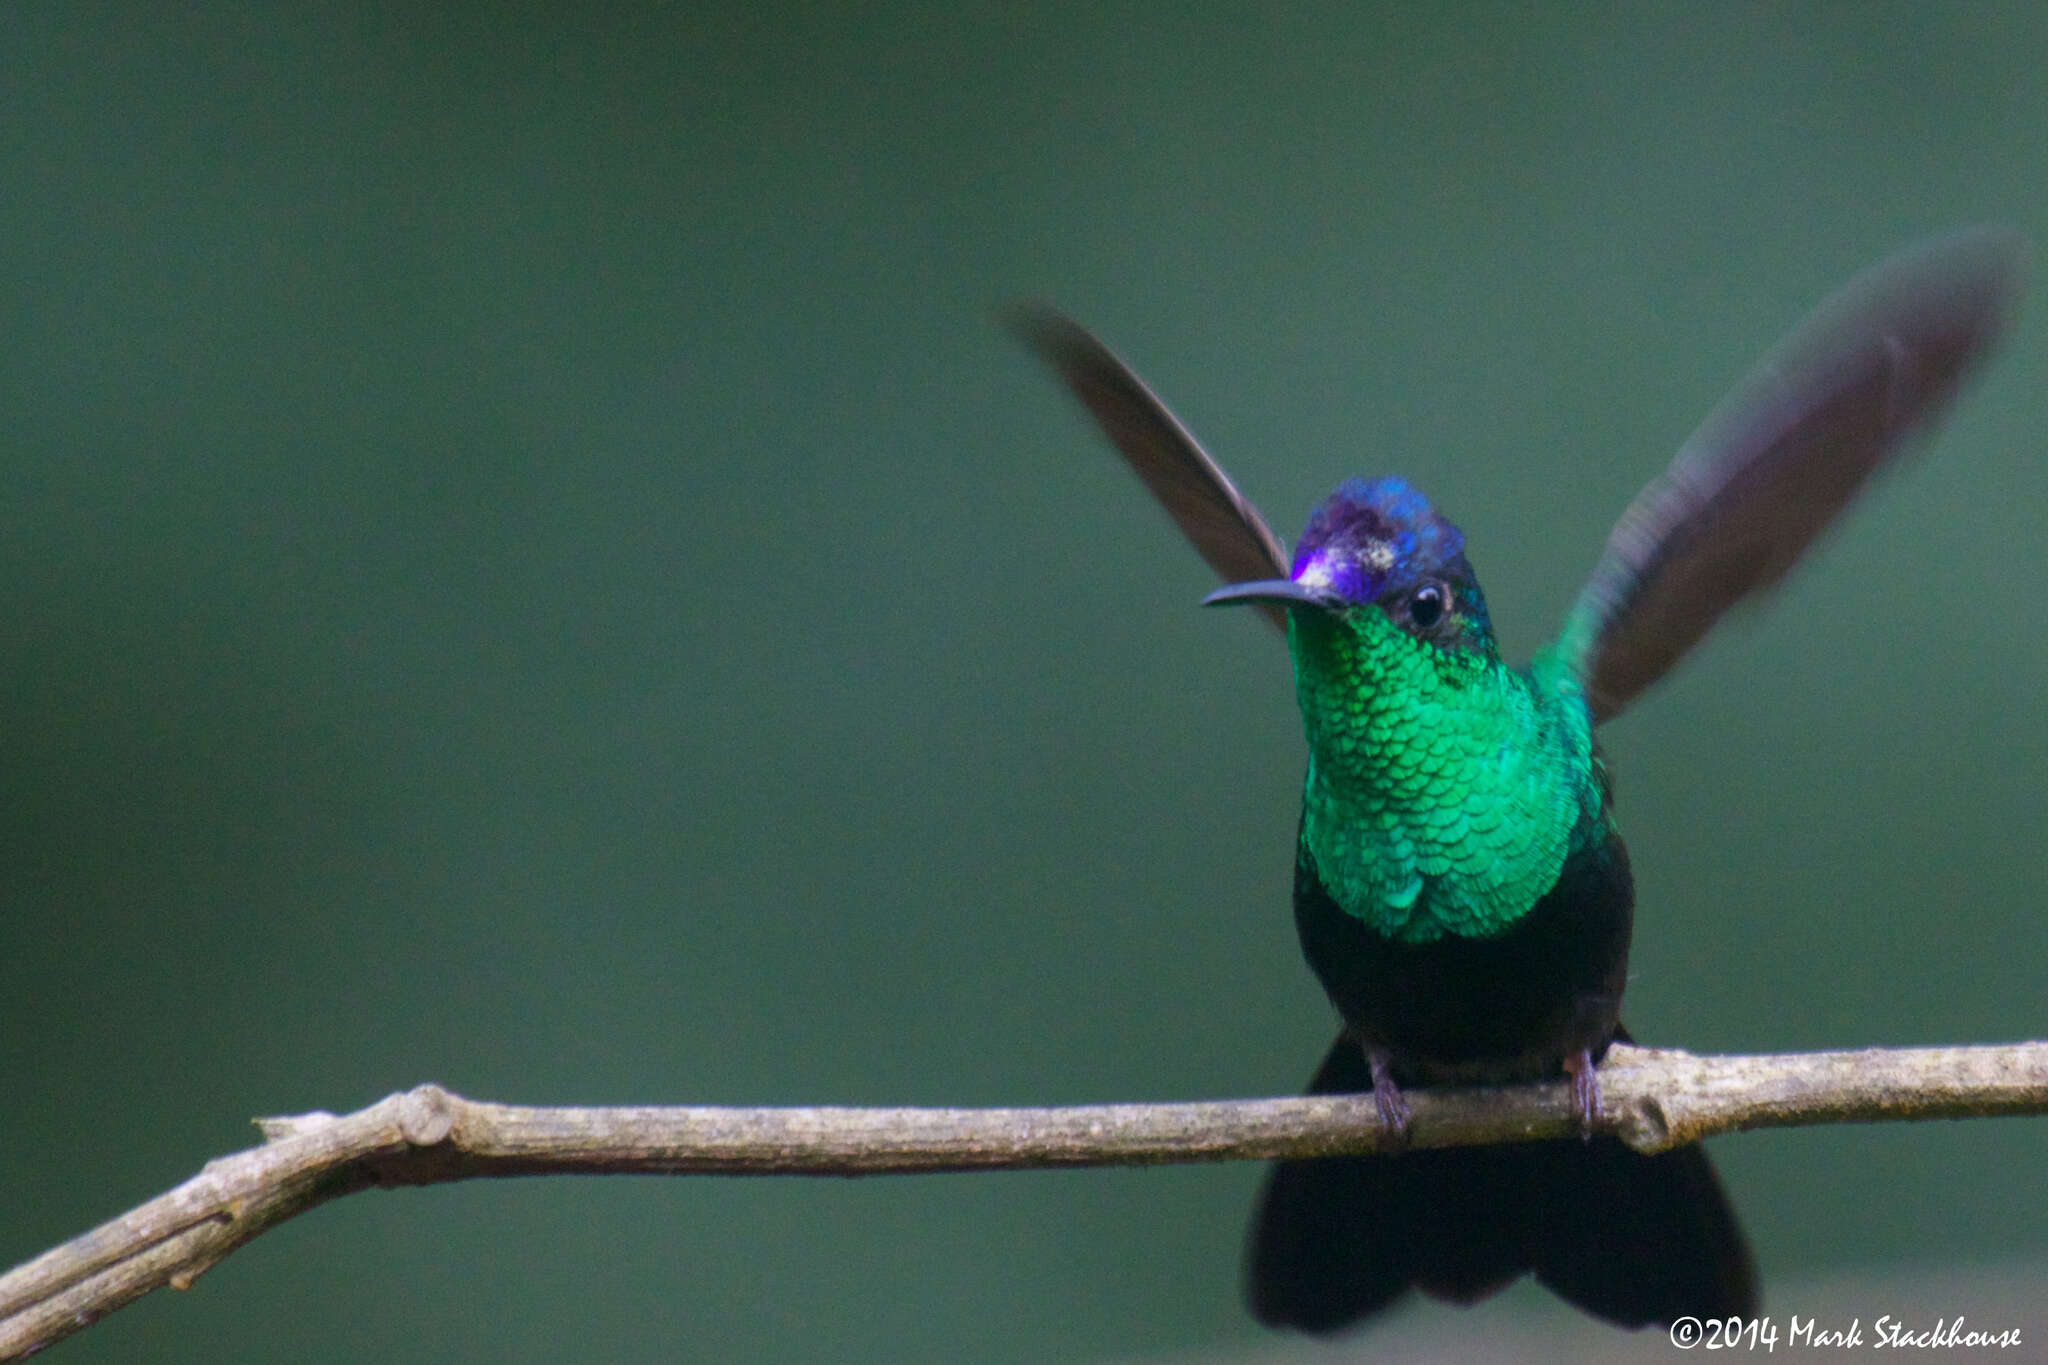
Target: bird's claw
[(1387, 1097), (1585, 1091)]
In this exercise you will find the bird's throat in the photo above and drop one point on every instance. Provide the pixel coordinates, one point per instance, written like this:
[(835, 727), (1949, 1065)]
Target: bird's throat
[(1444, 790)]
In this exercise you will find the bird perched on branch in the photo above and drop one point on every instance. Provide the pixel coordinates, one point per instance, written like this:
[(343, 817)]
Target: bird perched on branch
[(1460, 886)]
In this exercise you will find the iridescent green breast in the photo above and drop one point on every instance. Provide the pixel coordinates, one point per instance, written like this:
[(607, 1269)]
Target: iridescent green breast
[(1444, 790)]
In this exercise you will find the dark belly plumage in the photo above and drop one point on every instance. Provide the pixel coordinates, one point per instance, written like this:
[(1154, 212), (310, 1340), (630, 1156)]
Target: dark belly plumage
[(1634, 1239), (1508, 1007)]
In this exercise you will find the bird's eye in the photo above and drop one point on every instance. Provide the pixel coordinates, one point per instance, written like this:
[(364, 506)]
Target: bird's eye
[(1428, 604)]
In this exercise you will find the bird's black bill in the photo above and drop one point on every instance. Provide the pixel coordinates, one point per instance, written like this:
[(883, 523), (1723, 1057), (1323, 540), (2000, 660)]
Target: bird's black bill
[(1272, 592)]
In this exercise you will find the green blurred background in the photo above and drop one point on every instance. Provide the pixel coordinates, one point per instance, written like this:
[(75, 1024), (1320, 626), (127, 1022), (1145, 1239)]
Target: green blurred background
[(527, 563)]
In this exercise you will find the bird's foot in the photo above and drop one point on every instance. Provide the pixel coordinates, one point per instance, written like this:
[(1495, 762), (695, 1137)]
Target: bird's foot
[(1386, 1094), (1585, 1091)]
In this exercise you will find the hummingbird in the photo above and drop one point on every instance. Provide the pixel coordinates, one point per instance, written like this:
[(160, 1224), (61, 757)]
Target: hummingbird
[(1461, 888)]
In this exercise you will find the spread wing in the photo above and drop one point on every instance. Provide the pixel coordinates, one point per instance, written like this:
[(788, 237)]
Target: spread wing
[(1833, 403), (1222, 525)]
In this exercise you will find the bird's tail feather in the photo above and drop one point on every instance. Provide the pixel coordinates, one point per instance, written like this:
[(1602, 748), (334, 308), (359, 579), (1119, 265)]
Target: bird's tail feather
[(1630, 1238)]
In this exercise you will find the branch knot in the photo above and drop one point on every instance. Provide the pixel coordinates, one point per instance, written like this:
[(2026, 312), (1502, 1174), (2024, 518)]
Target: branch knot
[(426, 1115), (1643, 1124)]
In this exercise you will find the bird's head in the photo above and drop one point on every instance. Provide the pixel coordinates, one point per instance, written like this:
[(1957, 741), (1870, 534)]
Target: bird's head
[(1378, 545)]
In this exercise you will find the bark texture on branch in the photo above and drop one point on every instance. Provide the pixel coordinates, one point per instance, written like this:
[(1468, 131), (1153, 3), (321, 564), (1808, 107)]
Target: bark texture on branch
[(1654, 1099)]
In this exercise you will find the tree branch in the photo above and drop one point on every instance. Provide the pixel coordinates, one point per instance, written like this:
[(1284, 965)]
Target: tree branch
[(1654, 1100)]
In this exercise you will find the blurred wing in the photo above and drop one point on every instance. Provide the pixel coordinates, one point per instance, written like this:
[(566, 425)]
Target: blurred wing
[(1785, 452), (1225, 528)]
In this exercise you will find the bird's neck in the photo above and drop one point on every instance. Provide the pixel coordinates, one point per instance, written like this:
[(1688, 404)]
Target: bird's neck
[(1444, 789)]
